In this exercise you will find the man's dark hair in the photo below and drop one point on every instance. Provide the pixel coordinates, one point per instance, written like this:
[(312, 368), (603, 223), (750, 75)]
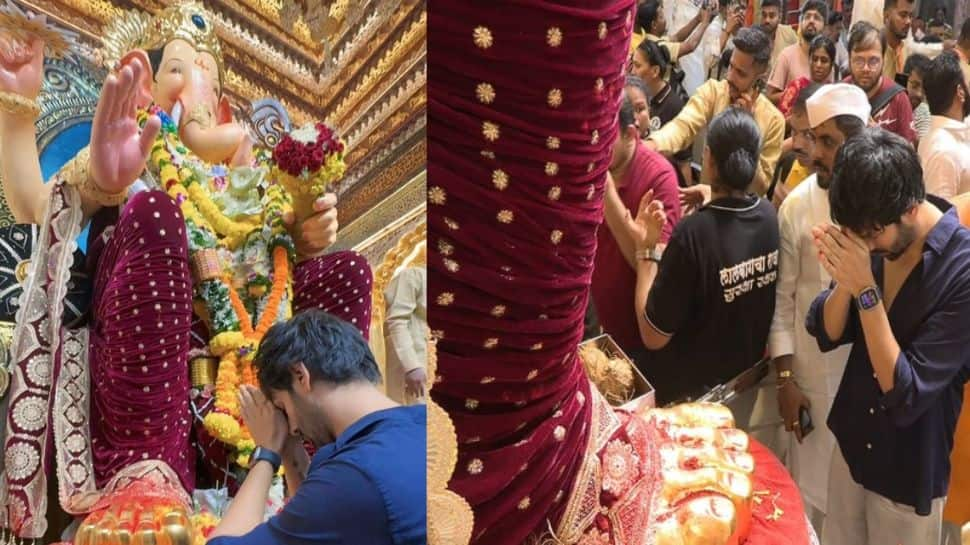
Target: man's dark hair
[(916, 63), (864, 35), (626, 116), (655, 54), (823, 42), (647, 13), (332, 350), (771, 4), (940, 82), (815, 5), (755, 42), (802, 99), (876, 179), (889, 4), (849, 125), (636, 81), (735, 143), (835, 17)]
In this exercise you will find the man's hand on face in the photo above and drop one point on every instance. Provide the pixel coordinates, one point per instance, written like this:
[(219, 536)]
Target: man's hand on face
[(845, 257), (266, 423)]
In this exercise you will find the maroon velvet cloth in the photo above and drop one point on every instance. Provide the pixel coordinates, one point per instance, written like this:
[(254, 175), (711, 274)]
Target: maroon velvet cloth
[(511, 262), (142, 315)]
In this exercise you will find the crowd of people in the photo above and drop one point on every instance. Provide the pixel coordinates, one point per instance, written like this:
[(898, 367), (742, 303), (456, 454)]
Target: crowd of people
[(804, 206)]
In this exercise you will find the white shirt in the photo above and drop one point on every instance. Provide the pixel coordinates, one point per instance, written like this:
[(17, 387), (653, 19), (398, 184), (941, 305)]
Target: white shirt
[(406, 325), (697, 65), (944, 154), (800, 279)]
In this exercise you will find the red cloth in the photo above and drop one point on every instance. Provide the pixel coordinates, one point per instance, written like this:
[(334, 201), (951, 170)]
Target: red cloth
[(614, 281), (512, 234), (771, 476)]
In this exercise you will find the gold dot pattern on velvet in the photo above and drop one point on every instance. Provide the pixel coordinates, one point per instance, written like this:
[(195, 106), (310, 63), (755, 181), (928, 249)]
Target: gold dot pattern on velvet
[(552, 169), (487, 380), (475, 466), (556, 236), (595, 138), (554, 37), (488, 154), (500, 179), (532, 374), (599, 85), (446, 298), (471, 404), (524, 503), (552, 143), (482, 37), (452, 224), (601, 30), (445, 247), (490, 343), (554, 193), (491, 131), (437, 195), (505, 216), (554, 98), (451, 265), (498, 311), (559, 433), (536, 347), (485, 93)]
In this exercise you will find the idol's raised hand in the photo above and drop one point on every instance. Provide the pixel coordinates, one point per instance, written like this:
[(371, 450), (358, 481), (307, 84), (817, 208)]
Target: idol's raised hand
[(119, 149)]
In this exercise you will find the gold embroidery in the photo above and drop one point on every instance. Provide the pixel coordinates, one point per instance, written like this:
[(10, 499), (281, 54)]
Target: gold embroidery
[(451, 265), (552, 142), (601, 30), (445, 247), (498, 311), (472, 440), (537, 346), (595, 138), (559, 433), (505, 216), (552, 169), (438, 334), (554, 192), (591, 192), (556, 236), (471, 404), (554, 36), (485, 93), (491, 342), (475, 466), (446, 298), (500, 179), (437, 195), (599, 85), (482, 37), (488, 380), (488, 154), (490, 131), (554, 98), (452, 224), (532, 374)]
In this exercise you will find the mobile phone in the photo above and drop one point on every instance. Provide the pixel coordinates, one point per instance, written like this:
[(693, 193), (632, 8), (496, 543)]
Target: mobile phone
[(805, 421)]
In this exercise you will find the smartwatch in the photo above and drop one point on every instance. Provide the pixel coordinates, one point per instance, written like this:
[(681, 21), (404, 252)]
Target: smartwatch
[(868, 298), (654, 254), (268, 455)]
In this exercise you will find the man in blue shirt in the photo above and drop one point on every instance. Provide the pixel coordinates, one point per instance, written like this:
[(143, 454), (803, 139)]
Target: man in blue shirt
[(901, 267), (366, 483)]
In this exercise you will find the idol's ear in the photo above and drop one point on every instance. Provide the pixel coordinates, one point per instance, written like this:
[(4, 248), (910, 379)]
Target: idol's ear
[(223, 111), (140, 56)]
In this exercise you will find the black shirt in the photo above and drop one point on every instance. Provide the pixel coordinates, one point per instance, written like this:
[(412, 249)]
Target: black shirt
[(715, 294), (898, 444), (665, 106)]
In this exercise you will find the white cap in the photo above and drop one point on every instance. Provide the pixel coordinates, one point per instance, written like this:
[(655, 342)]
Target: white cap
[(837, 99)]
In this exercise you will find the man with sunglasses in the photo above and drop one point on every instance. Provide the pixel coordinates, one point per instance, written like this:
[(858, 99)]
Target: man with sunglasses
[(890, 106), (900, 264)]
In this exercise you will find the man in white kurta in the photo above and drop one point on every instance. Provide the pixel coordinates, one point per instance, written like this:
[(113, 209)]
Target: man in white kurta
[(808, 371), (406, 335)]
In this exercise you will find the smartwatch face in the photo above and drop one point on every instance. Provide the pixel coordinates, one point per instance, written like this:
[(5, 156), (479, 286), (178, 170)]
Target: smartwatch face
[(868, 298)]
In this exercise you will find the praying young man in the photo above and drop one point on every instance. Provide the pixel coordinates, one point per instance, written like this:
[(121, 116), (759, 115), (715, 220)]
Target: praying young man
[(806, 377), (366, 483), (901, 296)]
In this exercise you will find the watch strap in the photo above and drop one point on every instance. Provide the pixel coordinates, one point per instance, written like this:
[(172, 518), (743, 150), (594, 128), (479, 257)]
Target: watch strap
[(262, 453)]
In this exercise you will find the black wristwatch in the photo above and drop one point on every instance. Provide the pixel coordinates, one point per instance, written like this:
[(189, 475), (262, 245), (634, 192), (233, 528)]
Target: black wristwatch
[(262, 453), (868, 298)]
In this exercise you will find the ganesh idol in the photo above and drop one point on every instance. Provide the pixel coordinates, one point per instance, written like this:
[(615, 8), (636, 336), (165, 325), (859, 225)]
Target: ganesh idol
[(200, 241)]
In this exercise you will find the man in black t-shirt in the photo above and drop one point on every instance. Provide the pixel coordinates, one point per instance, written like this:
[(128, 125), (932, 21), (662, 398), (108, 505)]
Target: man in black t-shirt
[(709, 301)]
